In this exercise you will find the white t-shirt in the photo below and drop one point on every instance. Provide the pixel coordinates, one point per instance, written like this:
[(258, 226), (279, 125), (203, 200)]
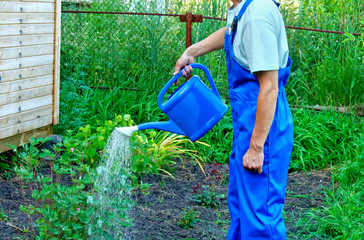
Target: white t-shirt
[(260, 43)]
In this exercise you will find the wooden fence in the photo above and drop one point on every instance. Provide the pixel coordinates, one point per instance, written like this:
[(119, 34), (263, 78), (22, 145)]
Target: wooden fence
[(29, 69)]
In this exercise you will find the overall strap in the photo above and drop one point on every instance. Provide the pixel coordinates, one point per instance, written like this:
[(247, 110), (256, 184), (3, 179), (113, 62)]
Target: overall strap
[(234, 24), (243, 8), (277, 3)]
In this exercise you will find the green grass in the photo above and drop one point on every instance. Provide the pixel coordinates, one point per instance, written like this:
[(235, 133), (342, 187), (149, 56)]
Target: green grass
[(324, 138), (341, 217), (327, 68)]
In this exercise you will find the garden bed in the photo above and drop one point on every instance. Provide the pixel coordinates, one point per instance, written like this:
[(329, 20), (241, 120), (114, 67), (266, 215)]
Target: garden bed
[(160, 206)]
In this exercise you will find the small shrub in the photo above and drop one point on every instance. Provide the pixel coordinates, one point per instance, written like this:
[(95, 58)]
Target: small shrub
[(188, 218), (207, 195), (61, 208)]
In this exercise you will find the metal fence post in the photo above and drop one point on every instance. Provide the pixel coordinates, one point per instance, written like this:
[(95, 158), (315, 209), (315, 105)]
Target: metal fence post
[(188, 18)]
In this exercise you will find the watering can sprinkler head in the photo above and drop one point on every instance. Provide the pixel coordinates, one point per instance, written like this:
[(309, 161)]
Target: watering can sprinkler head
[(127, 131)]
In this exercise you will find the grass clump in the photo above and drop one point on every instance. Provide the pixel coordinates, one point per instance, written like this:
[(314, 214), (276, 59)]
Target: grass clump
[(324, 138), (341, 217)]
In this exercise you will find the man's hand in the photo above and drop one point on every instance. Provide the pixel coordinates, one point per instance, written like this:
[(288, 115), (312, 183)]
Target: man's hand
[(182, 62), (253, 160)]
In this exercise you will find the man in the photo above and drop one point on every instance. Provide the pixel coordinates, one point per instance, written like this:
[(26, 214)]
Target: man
[(258, 69)]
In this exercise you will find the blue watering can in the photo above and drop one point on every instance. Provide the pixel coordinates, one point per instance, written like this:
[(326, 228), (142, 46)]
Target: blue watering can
[(193, 109)]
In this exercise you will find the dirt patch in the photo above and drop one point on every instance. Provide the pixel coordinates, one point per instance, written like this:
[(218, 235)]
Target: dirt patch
[(159, 208)]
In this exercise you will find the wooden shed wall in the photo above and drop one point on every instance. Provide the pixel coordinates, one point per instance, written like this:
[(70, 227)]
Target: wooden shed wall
[(29, 69)]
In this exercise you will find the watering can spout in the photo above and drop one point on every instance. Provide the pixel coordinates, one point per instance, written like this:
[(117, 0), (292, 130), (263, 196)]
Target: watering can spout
[(169, 126), (127, 131)]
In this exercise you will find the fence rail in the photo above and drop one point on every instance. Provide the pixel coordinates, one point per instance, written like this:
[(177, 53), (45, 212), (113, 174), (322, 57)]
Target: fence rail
[(203, 17)]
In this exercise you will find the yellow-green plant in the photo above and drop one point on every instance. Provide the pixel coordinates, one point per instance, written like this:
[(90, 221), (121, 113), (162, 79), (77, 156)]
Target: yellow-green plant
[(156, 152)]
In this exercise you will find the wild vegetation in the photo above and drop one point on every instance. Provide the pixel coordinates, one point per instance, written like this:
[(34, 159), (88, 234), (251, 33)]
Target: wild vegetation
[(112, 68)]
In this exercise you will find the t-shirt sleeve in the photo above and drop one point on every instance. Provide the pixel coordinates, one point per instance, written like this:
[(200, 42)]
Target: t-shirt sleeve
[(261, 45)]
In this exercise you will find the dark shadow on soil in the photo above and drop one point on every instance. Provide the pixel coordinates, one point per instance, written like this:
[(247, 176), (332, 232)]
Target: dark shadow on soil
[(158, 208)]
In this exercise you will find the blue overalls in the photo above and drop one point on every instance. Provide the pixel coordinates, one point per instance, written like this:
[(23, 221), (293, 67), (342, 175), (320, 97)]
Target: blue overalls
[(256, 200)]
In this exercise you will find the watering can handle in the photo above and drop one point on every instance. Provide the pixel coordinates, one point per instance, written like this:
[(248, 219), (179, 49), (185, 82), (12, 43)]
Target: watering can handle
[(175, 78)]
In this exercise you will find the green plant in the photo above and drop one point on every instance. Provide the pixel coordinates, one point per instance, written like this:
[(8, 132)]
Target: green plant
[(5, 166), (143, 187), (207, 197), (220, 138), (188, 218), (320, 72), (3, 216), (89, 142), (223, 218), (61, 207), (341, 217)]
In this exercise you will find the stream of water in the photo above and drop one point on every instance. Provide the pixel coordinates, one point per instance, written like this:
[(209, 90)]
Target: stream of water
[(111, 202)]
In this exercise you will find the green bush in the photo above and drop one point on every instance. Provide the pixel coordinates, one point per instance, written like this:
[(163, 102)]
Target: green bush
[(61, 208)]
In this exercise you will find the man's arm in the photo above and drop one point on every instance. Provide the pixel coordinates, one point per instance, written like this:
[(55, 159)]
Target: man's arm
[(213, 42), (266, 106)]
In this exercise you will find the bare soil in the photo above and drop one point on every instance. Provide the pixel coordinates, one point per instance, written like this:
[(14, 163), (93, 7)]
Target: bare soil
[(159, 208)]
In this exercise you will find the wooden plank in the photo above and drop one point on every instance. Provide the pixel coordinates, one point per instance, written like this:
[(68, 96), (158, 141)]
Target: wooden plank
[(77, 1), (25, 116), (24, 73), (27, 83), (17, 41), (25, 105), (28, 51), (22, 138), (26, 18), (56, 62), (25, 7), (18, 96), (25, 127), (15, 63), (26, 29), (36, 1)]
